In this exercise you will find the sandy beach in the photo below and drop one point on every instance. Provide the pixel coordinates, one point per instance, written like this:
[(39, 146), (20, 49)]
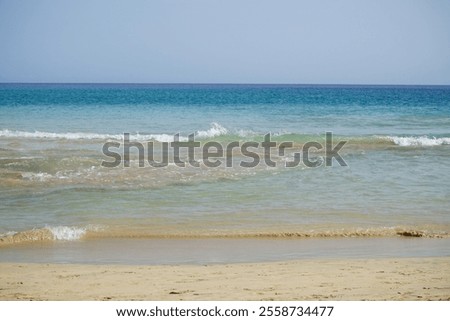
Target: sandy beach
[(318, 279)]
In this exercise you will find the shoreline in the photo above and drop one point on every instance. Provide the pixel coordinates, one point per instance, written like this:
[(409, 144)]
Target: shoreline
[(313, 279), (200, 251)]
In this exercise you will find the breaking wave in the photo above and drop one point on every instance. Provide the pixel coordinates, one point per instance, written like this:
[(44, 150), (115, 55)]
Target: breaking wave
[(49, 233), (418, 141), (66, 233), (217, 130), (214, 131), (85, 136)]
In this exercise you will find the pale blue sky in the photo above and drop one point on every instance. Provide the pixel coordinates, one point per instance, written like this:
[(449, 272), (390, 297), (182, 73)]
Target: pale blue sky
[(226, 41)]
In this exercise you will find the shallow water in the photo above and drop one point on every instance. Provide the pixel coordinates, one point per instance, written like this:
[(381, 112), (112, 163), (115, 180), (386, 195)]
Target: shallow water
[(52, 180), (220, 251)]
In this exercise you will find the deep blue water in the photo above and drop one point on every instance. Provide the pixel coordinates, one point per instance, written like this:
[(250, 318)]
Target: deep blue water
[(346, 110)]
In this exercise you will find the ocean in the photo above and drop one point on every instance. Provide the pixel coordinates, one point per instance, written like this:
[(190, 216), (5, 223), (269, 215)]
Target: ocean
[(55, 190)]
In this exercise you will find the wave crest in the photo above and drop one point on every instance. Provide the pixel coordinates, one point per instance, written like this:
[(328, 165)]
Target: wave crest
[(215, 130), (66, 233), (50, 233), (418, 141)]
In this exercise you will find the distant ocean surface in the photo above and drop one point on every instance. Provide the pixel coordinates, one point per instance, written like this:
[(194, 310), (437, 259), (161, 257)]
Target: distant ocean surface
[(53, 187)]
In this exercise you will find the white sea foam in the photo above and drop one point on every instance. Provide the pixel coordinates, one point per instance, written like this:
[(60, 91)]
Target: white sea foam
[(215, 130), (70, 233), (165, 138), (418, 140), (71, 136), (67, 233), (88, 136), (48, 233), (245, 133), (9, 233), (41, 177)]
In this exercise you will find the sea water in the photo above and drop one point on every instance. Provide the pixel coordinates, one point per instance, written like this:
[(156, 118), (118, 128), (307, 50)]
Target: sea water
[(53, 185)]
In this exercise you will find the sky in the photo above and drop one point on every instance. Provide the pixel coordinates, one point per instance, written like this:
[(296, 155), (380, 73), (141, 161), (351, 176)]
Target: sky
[(226, 41)]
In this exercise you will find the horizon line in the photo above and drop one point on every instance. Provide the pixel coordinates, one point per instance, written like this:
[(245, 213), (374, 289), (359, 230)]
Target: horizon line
[(224, 84)]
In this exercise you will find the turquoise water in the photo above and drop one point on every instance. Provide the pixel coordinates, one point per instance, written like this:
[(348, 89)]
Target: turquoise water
[(53, 186)]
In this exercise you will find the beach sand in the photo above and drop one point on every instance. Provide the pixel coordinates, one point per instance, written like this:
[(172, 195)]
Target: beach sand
[(317, 279)]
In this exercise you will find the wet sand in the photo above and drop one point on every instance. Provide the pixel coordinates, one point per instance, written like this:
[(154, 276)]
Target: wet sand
[(188, 251)]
